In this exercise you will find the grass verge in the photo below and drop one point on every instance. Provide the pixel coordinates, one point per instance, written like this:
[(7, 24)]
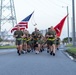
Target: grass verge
[(72, 52), (7, 47), (69, 45)]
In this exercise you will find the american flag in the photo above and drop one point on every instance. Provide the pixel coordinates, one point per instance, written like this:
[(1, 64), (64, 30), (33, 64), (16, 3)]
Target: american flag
[(23, 24)]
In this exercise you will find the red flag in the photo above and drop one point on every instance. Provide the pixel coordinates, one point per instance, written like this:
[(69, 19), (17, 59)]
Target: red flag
[(59, 26)]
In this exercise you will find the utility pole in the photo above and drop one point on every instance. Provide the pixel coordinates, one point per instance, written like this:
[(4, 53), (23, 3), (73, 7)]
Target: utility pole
[(67, 22), (68, 25), (73, 20), (0, 16), (7, 14)]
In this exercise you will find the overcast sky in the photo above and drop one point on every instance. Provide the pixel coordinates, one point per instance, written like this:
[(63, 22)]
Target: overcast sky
[(46, 13)]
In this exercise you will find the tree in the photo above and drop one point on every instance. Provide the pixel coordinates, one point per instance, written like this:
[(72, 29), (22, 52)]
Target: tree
[(66, 39)]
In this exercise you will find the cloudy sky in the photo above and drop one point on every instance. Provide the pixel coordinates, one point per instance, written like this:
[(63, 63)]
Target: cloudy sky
[(46, 13)]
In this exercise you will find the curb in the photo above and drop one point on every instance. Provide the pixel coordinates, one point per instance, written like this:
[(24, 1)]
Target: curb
[(70, 56)]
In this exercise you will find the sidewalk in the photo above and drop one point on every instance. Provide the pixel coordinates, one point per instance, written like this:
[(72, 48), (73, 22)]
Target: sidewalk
[(67, 54)]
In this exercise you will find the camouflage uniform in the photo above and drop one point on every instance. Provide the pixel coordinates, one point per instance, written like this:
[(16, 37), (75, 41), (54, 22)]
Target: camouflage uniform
[(18, 38), (58, 41), (51, 37), (35, 38), (26, 34)]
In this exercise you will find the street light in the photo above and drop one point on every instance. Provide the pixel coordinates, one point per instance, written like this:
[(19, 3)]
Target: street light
[(67, 23)]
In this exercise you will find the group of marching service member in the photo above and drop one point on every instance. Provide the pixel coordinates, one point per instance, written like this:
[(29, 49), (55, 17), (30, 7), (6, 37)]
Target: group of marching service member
[(26, 42)]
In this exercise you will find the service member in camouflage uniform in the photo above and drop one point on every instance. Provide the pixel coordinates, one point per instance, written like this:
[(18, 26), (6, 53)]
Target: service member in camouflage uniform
[(40, 41), (51, 40), (35, 35), (46, 37), (18, 34), (25, 33), (57, 42), (26, 41), (29, 43)]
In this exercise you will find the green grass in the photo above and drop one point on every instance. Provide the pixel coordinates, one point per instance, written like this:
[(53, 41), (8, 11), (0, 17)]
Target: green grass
[(71, 48), (7, 47), (72, 51), (69, 45)]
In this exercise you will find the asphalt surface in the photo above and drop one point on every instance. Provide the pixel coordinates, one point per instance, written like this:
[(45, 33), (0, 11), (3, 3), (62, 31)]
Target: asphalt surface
[(36, 64)]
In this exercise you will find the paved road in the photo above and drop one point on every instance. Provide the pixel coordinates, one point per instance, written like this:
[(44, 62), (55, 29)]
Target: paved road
[(32, 64)]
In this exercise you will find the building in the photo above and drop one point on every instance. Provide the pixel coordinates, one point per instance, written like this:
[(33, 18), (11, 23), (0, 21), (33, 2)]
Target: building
[(43, 32)]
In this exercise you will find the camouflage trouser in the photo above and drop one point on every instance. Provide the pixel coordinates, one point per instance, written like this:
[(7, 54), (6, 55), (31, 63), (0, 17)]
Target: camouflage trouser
[(19, 41), (57, 42), (28, 41), (24, 41), (35, 43), (40, 41), (51, 42)]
